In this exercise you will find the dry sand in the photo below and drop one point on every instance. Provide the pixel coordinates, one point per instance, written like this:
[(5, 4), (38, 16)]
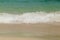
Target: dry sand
[(42, 31)]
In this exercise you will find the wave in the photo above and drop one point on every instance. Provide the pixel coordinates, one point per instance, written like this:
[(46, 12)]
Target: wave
[(30, 17)]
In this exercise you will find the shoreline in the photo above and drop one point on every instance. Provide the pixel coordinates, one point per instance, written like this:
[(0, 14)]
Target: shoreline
[(33, 17)]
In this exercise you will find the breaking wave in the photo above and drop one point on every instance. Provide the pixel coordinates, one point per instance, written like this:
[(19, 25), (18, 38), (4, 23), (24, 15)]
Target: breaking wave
[(30, 17)]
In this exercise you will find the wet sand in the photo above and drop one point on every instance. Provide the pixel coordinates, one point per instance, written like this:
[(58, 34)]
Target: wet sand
[(42, 31)]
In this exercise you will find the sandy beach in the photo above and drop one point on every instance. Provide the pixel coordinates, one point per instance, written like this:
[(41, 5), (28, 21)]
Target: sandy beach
[(29, 19), (42, 31)]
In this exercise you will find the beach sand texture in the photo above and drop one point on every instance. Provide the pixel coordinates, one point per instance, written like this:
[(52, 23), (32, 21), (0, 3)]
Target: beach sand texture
[(43, 31)]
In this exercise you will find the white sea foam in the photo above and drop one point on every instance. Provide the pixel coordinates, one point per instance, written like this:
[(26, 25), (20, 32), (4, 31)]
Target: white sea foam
[(33, 17)]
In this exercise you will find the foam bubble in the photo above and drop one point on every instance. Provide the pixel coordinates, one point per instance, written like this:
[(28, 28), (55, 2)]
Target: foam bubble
[(33, 17)]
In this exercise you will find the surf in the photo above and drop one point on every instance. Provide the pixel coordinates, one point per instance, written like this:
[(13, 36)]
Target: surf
[(30, 17)]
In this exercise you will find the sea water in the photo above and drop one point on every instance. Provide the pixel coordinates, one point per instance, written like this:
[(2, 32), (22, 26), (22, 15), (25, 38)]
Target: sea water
[(29, 11), (17, 6)]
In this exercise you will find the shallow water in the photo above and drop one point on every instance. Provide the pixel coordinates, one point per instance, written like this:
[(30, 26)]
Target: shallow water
[(17, 6), (29, 11)]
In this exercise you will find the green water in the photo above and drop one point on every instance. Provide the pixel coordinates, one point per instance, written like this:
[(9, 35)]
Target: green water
[(16, 6)]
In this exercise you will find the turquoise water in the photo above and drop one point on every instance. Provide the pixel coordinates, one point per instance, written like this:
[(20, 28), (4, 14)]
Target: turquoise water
[(29, 11), (16, 6)]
